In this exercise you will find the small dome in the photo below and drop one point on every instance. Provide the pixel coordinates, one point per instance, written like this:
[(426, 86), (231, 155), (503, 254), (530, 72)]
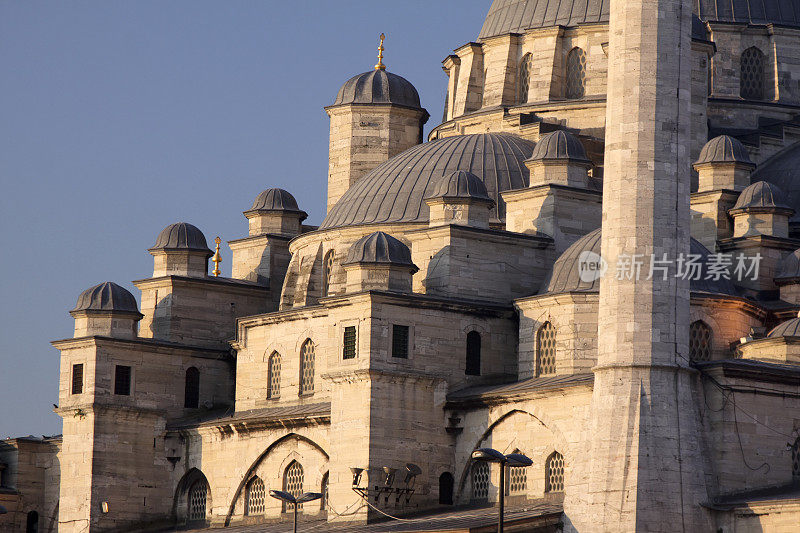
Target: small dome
[(790, 266), (724, 149), (559, 145), (380, 247), (460, 184), (181, 236), (790, 328), (378, 87), (761, 194), (565, 276), (276, 200), (107, 296)]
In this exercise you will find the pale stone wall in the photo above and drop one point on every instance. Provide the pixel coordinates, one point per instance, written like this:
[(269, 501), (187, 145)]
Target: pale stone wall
[(710, 219), (30, 483)]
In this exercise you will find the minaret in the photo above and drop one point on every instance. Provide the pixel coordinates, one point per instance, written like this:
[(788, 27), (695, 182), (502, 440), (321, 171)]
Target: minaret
[(646, 471)]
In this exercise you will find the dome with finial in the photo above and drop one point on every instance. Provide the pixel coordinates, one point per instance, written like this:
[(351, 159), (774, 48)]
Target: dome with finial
[(460, 184), (790, 328), (761, 195), (107, 296), (559, 145), (378, 87), (181, 236), (380, 248), (276, 200), (724, 149)]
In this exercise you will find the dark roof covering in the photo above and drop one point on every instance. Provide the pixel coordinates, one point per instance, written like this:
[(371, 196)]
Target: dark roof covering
[(516, 16), (783, 170), (790, 328), (275, 200), (107, 296), (485, 392), (394, 190), (565, 276), (268, 414), (724, 149), (378, 87), (460, 184), (761, 194), (790, 266), (381, 248), (559, 145), (181, 236)]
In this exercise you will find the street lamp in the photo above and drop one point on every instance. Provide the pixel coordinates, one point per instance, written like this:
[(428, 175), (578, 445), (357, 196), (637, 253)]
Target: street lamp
[(288, 498), (512, 459)]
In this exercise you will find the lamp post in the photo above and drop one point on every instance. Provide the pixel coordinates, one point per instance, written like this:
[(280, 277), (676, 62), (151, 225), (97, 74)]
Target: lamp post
[(288, 498), (512, 459)]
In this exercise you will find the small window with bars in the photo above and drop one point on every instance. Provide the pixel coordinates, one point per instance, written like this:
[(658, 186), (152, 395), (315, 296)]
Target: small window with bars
[(77, 378), (327, 273), (480, 480), (546, 350), (517, 479), (576, 73), (400, 341), (191, 390), (349, 348), (122, 380), (307, 368), (699, 341), (255, 496), (751, 80), (274, 378), (473, 360), (524, 78), (293, 482), (197, 501), (554, 473)]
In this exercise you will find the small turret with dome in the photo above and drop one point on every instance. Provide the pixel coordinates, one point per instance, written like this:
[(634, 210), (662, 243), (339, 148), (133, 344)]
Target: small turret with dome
[(106, 309), (761, 210), (559, 158), (275, 211), (181, 250), (460, 198), (379, 261)]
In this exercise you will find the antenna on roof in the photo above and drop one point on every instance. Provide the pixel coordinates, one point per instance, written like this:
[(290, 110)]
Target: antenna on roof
[(380, 65)]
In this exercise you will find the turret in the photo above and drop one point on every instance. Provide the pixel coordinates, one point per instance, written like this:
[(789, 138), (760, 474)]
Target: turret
[(275, 211), (379, 262), (106, 310), (760, 210), (460, 198), (180, 250)]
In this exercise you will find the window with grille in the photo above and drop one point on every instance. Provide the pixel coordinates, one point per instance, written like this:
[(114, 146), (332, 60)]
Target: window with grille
[(576, 73), (307, 368), (751, 80), (524, 78), (349, 349), (554, 473), (546, 350), (324, 491), (480, 480), (699, 341), (293, 482), (327, 270), (473, 366), (77, 378), (197, 501), (274, 378), (796, 459), (122, 380), (400, 341), (191, 392), (255, 495), (517, 479)]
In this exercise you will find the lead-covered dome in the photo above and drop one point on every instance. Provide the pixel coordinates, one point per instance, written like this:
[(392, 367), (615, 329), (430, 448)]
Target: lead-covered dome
[(724, 149), (276, 200), (107, 296), (380, 248), (761, 195), (790, 328), (181, 236), (461, 184), (394, 191), (559, 145), (378, 87)]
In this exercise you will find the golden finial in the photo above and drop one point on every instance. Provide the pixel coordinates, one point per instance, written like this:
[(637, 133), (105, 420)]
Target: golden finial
[(380, 65), (216, 258)]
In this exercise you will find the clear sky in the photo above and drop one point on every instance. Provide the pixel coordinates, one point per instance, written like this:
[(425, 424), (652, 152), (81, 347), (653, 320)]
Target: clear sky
[(118, 118)]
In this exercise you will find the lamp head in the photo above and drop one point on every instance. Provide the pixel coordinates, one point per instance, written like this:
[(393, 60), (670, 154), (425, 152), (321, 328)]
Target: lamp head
[(283, 495), (518, 459), (389, 478), (309, 496), (356, 475), (412, 471), (488, 454)]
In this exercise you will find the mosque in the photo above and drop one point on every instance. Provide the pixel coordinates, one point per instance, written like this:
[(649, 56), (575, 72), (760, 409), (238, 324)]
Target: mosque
[(493, 285)]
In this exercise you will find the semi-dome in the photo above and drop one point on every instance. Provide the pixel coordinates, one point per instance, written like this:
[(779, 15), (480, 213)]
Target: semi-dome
[(460, 184), (393, 192), (759, 195), (378, 87), (379, 248), (790, 328), (724, 149), (276, 200), (559, 145), (107, 296), (566, 274), (181, 236)]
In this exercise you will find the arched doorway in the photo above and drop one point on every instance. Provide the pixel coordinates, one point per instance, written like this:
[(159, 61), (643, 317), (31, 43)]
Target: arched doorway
[(32, 523), (446, 482)]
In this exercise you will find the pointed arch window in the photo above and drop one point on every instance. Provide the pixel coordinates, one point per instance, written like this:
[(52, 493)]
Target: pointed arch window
[(554, 473), (324, 491), (197, 500), (293, 482), (255, 496), (517, 479), (191, 391), (307, 368), (473, 366), (327, 272), (546, 350), (576, 74), (524, 78), (700, 337), (751, 78), (274, 377), (480, 480)]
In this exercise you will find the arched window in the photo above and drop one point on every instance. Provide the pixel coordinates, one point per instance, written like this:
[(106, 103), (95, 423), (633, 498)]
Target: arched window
[(324, 491), (554, 473), (751, 77), (796, 459), (274, 377), (517, 479), (524, 78), (480, 480), (32, 522), (327, 269), (293, 482), (197, 500), (699, 341), (255, 495), (307, 368), (473, 367), (546, 350), (576, 73), (191, 390), (446, 482)]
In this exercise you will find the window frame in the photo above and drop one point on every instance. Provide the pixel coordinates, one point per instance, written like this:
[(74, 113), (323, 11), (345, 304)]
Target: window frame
[(409, 343), (575, 51), (82, 380), (186, 388), (302, 390), (343, 326), (274, 394), (467, 352), (538, 367), (130, 380), (762, 57), (524, 90)]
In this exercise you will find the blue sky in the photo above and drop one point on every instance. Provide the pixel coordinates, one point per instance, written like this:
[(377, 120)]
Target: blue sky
[(118, 118)]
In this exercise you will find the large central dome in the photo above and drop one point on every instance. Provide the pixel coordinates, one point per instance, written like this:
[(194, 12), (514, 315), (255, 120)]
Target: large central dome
[(394, 191)]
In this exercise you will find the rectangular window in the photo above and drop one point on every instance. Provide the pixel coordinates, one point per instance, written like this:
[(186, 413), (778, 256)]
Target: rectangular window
[(400, 341), (122, 380), (77, 378), (349, 351)]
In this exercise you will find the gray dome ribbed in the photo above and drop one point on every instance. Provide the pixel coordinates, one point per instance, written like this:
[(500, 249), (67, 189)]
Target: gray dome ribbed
[(107, 296), (724, 149), (378, 87), (460, 184), (790, 328), (761, 194), (790, 266), (394, 190), (276, 200), (564, 277), (559, 145), (181, 236), (379, 247)]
